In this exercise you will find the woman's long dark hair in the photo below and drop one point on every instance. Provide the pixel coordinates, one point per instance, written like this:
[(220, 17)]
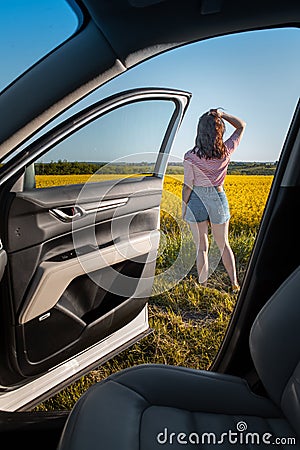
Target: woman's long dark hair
[(209, 139)]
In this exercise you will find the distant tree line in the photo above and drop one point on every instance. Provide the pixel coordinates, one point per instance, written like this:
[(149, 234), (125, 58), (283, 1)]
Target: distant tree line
[(235, 168), (64, 167), (252, 168)]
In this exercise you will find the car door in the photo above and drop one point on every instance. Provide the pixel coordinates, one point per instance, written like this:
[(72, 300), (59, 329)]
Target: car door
[(80, 210)]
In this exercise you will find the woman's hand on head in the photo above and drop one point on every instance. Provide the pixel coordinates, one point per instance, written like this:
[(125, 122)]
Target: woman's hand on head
[(215, 112)]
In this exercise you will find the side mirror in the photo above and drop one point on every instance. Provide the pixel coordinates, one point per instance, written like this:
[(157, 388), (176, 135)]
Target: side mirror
[(29, 178)]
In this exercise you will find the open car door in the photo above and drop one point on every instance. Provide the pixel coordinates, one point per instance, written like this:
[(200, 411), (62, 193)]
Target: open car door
[(81, 247)]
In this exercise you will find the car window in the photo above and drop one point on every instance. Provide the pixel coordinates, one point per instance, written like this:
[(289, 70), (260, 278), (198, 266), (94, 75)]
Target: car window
[(124, 142)]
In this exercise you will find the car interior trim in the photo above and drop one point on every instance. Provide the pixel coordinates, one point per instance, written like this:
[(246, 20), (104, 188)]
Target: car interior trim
[(290, 177), (52, 278)]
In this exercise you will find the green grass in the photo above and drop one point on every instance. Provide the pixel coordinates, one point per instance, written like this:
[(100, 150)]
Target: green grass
[(188, 321)]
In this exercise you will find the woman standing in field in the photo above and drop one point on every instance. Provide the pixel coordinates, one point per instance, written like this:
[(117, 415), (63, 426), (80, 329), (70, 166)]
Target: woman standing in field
[(204, 200)]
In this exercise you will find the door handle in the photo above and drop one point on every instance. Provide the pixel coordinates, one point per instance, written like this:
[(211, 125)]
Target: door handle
[(71, 213), (68, 214)]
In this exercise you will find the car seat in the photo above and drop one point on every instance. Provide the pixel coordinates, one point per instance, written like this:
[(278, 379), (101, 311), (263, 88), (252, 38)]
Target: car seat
[(156, 406)]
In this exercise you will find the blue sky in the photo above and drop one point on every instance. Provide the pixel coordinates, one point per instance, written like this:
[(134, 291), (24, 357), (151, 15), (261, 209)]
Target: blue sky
[(252, 75)]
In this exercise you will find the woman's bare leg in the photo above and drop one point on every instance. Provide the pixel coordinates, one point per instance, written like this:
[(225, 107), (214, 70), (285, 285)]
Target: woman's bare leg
[(220, 233), (200, 236)]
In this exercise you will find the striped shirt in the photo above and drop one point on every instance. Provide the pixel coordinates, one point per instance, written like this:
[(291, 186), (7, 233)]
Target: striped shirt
[(209, 172)]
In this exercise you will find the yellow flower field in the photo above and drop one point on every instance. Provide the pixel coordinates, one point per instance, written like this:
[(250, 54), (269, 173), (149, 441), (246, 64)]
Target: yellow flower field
[(247, 194), (43, 181)]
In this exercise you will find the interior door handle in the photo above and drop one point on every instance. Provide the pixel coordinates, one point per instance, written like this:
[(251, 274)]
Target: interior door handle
[(68, 214), (71, 213)]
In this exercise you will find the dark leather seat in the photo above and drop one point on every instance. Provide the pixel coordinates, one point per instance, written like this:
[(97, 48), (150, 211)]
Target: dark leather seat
[(156, 406)]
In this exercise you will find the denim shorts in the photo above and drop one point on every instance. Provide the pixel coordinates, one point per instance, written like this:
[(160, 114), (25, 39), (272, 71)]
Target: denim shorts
[(206, 203)]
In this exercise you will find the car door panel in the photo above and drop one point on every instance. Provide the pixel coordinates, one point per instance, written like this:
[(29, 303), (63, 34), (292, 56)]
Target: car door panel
[(108, 313), (47, 289), (59, 249), (53, 277)]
